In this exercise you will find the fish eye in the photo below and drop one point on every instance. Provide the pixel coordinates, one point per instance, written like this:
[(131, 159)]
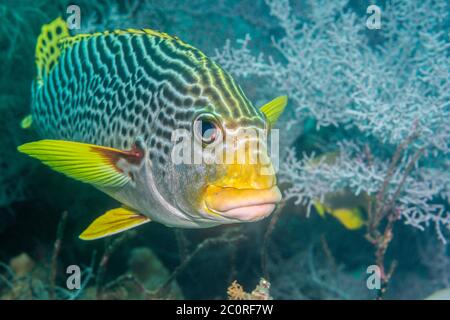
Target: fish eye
[(206, 128)]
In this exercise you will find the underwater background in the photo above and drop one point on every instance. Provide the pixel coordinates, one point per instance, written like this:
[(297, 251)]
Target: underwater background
[(364, 158)]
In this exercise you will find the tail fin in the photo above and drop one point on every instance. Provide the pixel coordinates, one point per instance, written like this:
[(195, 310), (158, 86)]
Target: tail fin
[(47, 49)]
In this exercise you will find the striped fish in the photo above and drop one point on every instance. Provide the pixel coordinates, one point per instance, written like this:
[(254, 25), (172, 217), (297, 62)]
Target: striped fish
[(107, 106)]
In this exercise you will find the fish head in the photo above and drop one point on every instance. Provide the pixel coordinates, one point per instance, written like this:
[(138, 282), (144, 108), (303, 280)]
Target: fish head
[(223, 170)]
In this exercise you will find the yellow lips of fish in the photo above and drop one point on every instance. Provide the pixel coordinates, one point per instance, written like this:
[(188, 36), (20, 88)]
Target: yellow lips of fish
[(245, 193)]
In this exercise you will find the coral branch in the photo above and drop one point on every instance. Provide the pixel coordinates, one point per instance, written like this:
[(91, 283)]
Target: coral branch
[(111, 247), (225, 238), (56, 250)]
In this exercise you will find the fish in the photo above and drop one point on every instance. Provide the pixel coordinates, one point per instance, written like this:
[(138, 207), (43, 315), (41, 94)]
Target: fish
[(343, 205), (352, 218), (443, 294), (107, 105)]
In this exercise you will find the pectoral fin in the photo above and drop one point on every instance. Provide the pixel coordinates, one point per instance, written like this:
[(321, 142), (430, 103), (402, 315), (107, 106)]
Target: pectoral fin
[(113, 222), (87, 163), (273, 109)]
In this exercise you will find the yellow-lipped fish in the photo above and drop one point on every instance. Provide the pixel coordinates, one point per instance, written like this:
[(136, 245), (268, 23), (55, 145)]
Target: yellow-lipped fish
[(107, 105)]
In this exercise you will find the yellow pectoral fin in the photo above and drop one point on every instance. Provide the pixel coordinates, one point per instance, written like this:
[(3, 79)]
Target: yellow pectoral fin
[(352, 219), (274, 109), (84, 162), (113, 222)]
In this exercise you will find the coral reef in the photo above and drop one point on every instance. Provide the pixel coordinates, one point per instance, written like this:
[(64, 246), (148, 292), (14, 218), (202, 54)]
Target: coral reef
[(145, 275), (379, 89), (261, 291), (24, 278), (376, 99), (375, 102)]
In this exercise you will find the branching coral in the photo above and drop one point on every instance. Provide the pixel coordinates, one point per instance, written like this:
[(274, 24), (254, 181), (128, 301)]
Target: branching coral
[(380, 87), (365, 95), (333, 72), (236, 292), (384, 94), (313, 273)]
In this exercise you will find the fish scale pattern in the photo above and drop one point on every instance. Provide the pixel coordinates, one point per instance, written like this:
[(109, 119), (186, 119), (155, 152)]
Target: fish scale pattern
[(110, 88)]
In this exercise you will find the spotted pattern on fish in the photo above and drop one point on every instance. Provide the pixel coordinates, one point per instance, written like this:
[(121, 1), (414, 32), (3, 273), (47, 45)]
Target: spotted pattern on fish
[(110, 88)]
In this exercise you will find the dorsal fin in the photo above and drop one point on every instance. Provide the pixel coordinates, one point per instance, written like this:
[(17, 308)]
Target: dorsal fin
[(47, 49), (67, 42), (55, 37)]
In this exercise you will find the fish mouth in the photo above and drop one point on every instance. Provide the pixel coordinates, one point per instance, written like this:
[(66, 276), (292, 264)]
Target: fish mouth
[(241, 204)]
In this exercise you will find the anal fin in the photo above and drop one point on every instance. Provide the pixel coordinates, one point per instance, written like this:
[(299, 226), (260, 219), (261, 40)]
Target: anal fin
[(112, 222)]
